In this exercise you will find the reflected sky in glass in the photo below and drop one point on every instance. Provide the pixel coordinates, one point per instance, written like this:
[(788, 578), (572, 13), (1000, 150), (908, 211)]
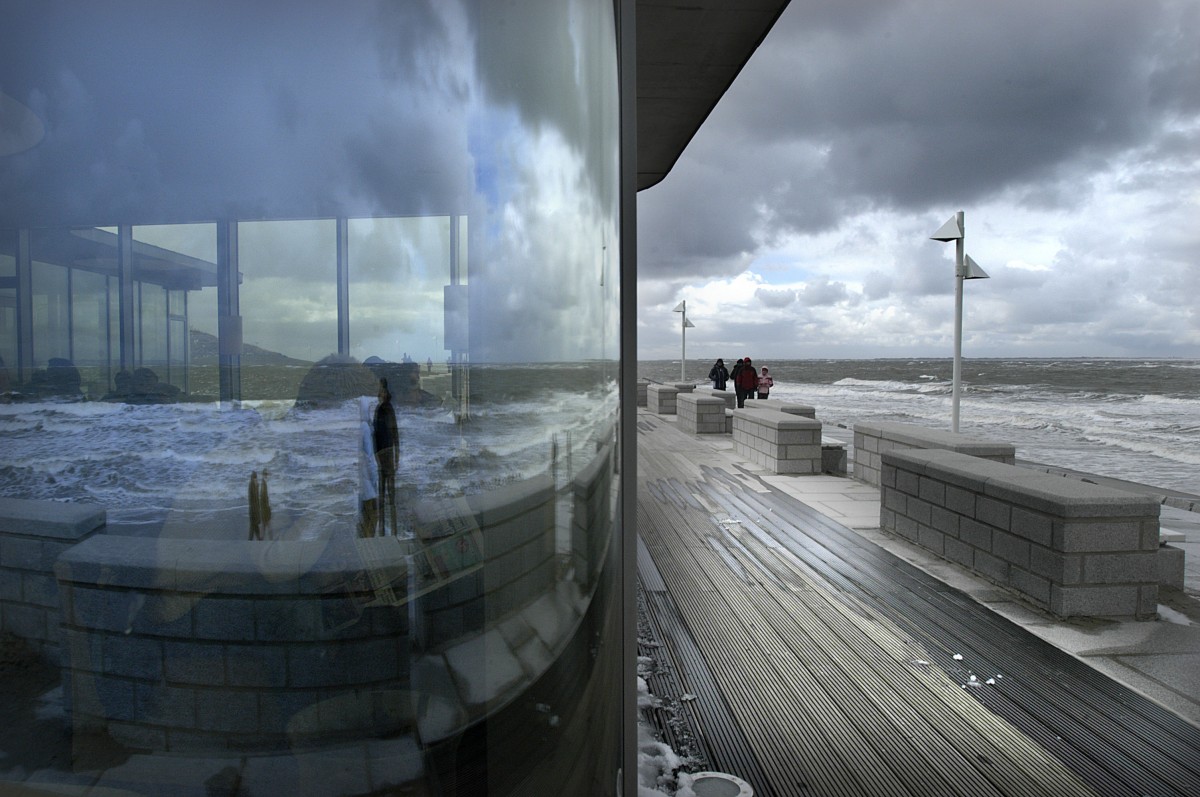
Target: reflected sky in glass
[(195, 112)]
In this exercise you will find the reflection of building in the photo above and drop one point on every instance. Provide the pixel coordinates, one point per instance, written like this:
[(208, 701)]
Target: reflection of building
[(232, 128), (97, 298), (108, 301)]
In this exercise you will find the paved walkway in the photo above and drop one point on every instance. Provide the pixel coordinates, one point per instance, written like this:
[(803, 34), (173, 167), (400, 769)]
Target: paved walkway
[(816, 655)]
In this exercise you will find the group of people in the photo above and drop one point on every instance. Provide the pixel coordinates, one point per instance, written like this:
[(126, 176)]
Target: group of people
[(378, 461), (748, 383)]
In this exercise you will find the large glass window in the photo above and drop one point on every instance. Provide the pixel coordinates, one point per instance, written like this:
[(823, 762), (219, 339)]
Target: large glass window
[(177, 339), (89, 330), (288, 302), (398, 271), (151, 314), (8, 308), (324, 301), (51, 315)]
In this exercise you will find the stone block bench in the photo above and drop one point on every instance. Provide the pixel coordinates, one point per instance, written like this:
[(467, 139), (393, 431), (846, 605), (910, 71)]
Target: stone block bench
[(642, 398), (871, 440), (701, 414), (1073, 548), (782, 442), (727, 396), (33, 534), (661, 399)]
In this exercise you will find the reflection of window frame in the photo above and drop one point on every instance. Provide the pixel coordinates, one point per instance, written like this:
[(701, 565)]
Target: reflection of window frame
[(48, 312)]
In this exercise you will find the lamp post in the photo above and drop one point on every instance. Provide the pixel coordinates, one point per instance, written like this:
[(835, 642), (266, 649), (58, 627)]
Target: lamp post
[(964, 269), (683, 328)]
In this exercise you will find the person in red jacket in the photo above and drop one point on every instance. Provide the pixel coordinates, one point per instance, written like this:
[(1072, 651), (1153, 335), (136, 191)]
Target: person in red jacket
[(745, 382)]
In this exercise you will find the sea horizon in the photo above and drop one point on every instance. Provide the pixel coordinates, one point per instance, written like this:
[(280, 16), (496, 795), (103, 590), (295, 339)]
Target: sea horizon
[(1130, 418)]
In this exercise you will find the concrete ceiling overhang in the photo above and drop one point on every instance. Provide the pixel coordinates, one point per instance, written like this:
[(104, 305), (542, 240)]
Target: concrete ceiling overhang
[(688, 53)]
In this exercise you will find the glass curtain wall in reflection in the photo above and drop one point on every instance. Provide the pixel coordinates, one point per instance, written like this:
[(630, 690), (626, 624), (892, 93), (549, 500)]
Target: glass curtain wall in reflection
[(309, 316)]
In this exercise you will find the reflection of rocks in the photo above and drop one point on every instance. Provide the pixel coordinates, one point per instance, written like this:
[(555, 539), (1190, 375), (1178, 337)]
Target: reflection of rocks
[(404, 381), (335, 379), (142, 387), (61, 378)]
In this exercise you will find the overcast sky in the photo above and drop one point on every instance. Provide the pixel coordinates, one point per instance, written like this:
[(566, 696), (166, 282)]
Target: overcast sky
[(283, 116), (797, 222)]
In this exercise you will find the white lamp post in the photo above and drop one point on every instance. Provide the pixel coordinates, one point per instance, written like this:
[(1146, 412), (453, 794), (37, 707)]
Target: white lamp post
[(964, 269), (683, 328)]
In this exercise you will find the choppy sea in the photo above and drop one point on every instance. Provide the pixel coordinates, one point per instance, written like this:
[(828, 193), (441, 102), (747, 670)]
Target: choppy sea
[(183, 469), (1137, 420)]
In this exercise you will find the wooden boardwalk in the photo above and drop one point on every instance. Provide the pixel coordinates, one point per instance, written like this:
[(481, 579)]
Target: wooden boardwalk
[(822, 665)]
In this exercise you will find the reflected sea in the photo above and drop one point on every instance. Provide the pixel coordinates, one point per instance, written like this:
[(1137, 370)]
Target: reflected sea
[(182, 469)]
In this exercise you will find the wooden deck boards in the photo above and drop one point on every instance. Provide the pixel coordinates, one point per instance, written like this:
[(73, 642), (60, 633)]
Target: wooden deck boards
[(832, 695)]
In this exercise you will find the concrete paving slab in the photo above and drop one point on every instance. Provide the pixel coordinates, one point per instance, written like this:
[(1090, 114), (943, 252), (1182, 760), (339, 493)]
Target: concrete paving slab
[(1179, 671)]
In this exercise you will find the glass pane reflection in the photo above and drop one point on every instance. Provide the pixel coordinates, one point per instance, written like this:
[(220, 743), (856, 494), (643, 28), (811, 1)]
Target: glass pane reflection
[(227, 251)]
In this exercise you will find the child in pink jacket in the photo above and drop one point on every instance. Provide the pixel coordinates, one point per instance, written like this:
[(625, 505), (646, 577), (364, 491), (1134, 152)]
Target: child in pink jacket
[(765, 383)]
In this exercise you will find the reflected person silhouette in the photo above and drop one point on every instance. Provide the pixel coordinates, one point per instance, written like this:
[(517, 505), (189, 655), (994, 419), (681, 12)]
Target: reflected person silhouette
[(264, 504), (368, 472), (252, 498), (386, 439)]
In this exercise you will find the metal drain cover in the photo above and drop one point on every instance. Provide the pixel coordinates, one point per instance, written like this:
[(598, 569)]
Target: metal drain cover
[(719, 784)]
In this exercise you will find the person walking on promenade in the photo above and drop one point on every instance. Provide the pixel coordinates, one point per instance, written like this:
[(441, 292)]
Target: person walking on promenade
[(386, 439), (733, 377), (255, 508), (718, 375), (765, 383), (747, 380)]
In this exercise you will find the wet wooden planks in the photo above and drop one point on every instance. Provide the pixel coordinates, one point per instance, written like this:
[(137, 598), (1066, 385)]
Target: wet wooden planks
[(832, 697)]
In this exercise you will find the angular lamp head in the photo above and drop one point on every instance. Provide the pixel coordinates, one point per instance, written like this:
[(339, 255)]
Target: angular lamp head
[(687, 324), (681, 307), (950, 231), (974, 272)]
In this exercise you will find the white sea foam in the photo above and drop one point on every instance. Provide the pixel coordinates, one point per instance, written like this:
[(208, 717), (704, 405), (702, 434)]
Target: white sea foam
[(1152, 438)]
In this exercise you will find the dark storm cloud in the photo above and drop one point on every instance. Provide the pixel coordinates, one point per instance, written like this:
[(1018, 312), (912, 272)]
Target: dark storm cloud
[(696, 225), (927, 103), (168, 112), (938, 100)]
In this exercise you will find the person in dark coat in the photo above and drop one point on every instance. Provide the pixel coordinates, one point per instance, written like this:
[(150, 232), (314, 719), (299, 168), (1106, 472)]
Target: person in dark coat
[(746, 381), (733, 377), (386, 439), (718, 375)]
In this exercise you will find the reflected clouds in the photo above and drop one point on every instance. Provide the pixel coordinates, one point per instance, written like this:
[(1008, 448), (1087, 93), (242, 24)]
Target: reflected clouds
[(429, 119)]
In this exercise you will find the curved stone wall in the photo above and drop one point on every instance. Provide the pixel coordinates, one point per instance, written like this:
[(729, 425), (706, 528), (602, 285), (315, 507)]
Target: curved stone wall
[(182, 645), (196, 644)]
